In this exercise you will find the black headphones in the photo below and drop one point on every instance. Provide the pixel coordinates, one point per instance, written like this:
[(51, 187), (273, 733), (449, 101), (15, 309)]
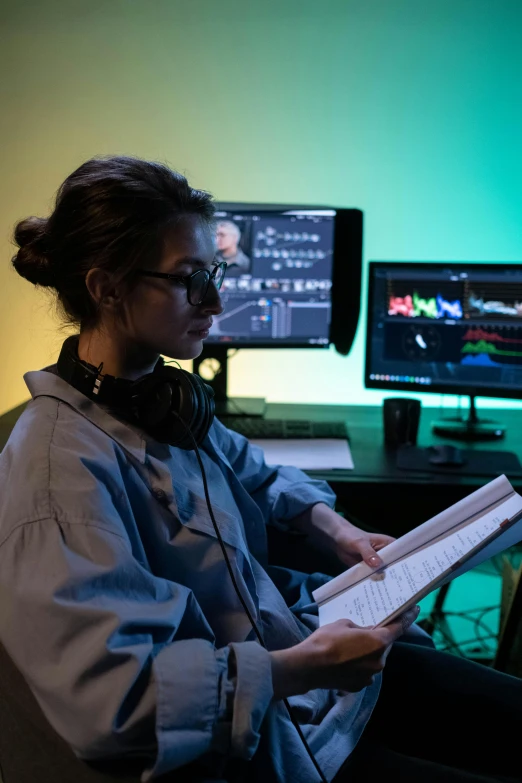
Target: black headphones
[(156, 402)]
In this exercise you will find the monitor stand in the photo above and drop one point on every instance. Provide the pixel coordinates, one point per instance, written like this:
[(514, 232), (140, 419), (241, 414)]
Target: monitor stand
[(211, 366), (471, 428)]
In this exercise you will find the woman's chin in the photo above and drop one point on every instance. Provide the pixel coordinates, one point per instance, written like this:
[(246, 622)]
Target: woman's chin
[(188, 351)]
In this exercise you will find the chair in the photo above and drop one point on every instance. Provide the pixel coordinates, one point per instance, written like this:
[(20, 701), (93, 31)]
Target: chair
[(32, 752)]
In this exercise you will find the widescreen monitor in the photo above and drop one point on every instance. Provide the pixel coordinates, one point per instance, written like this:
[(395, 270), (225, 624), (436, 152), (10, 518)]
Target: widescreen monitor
[(447, 327)]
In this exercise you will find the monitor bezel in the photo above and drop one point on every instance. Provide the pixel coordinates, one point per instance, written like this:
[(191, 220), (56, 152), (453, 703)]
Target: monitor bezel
[(433, 388), (346, 276)]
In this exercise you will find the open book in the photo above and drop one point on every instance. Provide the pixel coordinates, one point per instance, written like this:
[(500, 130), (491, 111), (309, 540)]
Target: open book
[(456, 540)]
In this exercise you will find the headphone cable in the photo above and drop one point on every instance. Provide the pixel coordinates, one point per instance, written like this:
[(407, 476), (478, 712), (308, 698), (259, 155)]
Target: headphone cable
[(240, 596)]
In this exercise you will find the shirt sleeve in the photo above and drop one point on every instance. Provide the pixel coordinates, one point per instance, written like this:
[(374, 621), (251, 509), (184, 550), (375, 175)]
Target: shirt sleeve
[(122, 662), (282, 492)]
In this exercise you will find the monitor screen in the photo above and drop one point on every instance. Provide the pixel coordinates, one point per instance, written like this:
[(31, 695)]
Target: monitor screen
[(277, 290), (445, 327)]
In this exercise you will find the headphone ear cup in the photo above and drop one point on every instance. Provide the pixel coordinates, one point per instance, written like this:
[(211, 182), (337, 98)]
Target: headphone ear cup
[(152, 401), (169, 401), (184, 411), (204, 407)]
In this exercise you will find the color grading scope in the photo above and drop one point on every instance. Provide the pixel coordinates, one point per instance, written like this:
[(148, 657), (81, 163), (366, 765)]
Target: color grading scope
[(452, 328)]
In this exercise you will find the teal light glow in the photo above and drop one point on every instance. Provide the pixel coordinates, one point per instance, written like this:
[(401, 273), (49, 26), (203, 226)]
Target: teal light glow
[(410, 111)]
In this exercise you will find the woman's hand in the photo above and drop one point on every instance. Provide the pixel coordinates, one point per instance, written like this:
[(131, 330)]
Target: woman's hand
[(331, 532), (351, 545), (339, 655)]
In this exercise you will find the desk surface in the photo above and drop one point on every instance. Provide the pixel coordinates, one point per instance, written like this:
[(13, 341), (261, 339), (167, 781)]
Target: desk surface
[(374, 464)]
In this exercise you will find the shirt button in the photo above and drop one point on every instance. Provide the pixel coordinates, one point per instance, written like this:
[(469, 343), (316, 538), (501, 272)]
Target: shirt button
[(160, 495)]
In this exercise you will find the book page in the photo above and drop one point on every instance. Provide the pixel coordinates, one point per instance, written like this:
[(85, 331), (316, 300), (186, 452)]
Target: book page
[(475, 504), (371, 601)]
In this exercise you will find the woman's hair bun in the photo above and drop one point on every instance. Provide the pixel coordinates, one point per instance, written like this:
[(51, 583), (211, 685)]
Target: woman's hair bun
[(32, 261)]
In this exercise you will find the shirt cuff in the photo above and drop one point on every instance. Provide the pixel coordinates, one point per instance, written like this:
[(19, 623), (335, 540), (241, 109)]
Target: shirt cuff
[(187, 675), (254, 692), (209, 700), (297, 494)]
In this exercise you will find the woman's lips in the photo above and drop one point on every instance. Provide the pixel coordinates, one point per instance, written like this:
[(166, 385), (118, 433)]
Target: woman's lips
[(203, 331)]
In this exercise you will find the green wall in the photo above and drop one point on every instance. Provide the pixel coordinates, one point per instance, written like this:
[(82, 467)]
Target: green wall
[(408, 109)]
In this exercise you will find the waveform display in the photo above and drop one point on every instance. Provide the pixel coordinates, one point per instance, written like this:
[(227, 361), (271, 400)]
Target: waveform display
[(482, 334), (480, 360), (431, 307), (483, 346), (450, 309), (494, 307), (499, 298)]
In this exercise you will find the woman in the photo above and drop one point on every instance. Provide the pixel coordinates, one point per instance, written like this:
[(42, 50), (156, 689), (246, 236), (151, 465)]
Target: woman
[(126, 616)]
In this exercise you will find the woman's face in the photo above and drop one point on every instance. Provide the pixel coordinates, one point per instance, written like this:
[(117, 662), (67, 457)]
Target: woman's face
[(157, 314)]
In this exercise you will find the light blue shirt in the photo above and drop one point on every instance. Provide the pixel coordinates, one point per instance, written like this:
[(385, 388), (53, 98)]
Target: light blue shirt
[(117, 606)]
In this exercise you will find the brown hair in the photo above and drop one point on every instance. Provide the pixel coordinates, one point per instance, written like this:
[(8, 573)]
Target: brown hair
[(111, 213)]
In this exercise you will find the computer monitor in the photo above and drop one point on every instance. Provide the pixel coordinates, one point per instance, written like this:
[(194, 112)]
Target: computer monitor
[(452, 328), (293, 281)]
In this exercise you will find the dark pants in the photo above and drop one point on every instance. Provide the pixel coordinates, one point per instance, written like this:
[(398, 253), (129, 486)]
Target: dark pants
[(440, 718)]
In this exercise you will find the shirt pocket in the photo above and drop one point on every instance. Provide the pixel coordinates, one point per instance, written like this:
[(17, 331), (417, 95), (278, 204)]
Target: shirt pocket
[(192, 511)]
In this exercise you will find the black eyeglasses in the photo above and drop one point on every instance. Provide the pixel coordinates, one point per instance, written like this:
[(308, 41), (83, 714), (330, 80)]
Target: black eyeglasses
[(197, 283)]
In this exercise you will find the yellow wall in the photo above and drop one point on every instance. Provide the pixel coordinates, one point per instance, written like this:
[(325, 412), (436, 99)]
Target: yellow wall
[(408, 109)]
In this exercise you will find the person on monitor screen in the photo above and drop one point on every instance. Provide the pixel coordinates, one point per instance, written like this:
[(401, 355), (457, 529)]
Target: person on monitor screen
[(228, 237), (139, 639)]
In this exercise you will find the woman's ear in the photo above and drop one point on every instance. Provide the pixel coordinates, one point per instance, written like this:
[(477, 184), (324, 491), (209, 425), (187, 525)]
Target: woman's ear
[(103, 290)]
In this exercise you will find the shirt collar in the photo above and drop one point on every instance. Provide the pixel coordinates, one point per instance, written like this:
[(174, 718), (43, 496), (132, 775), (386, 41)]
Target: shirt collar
[(46, 384)]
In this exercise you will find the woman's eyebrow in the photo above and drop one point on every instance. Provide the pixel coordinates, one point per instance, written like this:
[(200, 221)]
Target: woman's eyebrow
[(190, 260)]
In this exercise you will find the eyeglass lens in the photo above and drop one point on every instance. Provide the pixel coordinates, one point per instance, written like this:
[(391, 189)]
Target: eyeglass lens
[(199, 283)]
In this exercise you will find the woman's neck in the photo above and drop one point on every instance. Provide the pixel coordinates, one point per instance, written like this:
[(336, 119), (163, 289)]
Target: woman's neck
[(119, 356)]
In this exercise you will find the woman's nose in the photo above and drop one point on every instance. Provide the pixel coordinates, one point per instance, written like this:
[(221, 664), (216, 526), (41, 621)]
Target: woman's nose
[(212, 303)]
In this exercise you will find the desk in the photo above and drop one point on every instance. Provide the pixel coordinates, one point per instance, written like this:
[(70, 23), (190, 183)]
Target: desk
[(376, 492)]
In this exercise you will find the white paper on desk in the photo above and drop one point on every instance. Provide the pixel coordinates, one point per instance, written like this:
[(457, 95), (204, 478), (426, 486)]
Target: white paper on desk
[(313, 454), (418, 558)]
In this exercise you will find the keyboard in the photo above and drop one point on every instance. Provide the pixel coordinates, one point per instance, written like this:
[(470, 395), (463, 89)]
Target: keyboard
[(257, 428)]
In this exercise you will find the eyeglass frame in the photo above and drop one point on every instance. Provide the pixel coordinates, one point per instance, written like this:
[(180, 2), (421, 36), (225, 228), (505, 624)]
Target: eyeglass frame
[(186, 279)]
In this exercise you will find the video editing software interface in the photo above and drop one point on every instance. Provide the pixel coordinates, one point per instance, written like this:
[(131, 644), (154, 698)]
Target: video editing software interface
[(277, 290), (452, 326)]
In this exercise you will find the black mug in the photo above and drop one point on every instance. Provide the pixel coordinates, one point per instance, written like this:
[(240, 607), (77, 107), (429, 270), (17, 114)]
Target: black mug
[(401, 421)]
